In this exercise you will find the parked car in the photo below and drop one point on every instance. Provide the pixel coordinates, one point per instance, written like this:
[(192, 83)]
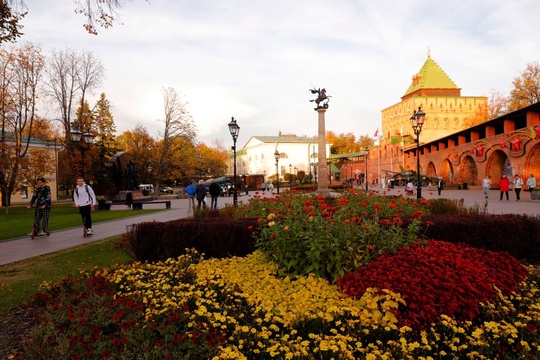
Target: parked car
[(166, 190)]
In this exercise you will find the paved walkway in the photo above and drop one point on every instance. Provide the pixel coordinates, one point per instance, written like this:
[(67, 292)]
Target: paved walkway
[(23, 248)]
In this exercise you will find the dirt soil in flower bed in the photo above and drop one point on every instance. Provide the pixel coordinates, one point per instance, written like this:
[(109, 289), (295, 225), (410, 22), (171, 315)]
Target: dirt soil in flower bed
[(15, 326)]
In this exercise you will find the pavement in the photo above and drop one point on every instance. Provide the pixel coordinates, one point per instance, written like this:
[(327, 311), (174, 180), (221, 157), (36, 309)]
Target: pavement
[(24, 248)]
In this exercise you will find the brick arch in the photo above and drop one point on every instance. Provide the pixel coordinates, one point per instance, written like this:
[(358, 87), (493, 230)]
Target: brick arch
[(446, 170), (431, 171), (469, 171), (532, 164), (495, 166)]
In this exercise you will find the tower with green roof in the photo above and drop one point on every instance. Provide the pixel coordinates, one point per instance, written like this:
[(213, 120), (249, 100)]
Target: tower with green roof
[(446, 110)]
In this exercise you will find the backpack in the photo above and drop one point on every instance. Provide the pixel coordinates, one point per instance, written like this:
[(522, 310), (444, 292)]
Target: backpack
[(76, 191)]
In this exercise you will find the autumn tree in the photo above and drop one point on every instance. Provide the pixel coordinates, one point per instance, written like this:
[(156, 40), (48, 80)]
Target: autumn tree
[(71, 78), (142, 150), (11, 12), (100, 12), (177, 122), (526, 89), (24, 67), (497, 104)]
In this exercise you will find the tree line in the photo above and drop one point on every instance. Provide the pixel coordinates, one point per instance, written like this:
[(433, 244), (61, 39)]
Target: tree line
[(32, 84)]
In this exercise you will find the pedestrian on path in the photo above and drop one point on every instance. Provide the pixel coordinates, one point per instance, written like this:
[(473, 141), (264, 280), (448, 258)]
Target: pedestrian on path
[(200, 192), (42, 199), (84, 198), (504, 186), (214, 191), (486, 185), (518, 184), (531, 183), (191, 190), (439, 186)]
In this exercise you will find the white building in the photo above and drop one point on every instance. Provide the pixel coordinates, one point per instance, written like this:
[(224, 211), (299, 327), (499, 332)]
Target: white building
[(297, 153)]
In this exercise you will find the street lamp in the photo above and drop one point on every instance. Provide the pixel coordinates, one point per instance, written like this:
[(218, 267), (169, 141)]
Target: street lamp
[(276, 156), (366, 153), (150, 168), (77, 136), (201, 159), (290, 176), (417, 120), (234, 129)]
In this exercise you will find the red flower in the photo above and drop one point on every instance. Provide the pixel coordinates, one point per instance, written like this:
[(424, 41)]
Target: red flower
[(250, 227)]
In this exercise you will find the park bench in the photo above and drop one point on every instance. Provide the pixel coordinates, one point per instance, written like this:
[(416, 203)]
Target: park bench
[(138, 205)]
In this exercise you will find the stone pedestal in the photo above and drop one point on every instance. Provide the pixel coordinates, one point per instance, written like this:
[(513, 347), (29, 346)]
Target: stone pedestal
[(322, 184)]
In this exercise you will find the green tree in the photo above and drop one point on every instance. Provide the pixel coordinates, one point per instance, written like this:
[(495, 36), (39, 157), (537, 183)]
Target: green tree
[(104, 141)]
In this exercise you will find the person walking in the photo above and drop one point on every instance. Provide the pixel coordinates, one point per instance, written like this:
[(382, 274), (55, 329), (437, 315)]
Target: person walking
[(129, 199), (531, 183), (42, 199), (263, 186), (271, 187), (200, 193), (504, 186), (439, 186), (84, 198), (214, 191), (191, 190), (518, 184), (486, 185)]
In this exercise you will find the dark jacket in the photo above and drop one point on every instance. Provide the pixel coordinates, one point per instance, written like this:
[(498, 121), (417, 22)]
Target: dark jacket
[(214, 190), (42, 197), (200, 192)]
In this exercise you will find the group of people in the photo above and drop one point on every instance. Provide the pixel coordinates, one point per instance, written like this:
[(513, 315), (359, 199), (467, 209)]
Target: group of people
[(199, 192), (505, 185), (84, 199), (267, 186)]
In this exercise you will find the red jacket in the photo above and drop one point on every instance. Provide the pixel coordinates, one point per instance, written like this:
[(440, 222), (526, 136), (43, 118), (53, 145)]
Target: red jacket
[(504, 184)]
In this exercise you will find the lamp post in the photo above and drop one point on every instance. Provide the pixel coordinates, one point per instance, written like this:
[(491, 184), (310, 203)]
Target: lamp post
[(200, 158), (77, 136), (234, 129), (276, 156), (150, 168), (366, 153), (290, 176), (417, 120)]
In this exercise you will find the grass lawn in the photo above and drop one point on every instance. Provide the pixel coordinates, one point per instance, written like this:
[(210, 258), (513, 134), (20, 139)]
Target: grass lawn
[(19, 220), (20, 281)]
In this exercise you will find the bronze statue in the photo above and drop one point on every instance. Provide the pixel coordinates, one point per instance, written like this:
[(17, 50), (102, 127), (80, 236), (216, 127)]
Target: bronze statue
[(321, 97)]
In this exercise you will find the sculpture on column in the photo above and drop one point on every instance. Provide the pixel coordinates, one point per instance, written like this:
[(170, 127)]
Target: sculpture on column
[(321, 98)]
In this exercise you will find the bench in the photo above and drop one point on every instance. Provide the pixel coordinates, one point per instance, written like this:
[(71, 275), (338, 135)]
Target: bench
[(138, 205)]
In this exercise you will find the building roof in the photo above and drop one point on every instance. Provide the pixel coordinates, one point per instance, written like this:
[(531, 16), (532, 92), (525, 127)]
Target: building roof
[(430, 76), (286, 139)]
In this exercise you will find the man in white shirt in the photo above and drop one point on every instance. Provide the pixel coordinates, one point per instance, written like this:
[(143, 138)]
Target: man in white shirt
[(84, 198)]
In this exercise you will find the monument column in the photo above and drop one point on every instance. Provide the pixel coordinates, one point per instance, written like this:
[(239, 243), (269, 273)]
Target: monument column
[(322, 185)]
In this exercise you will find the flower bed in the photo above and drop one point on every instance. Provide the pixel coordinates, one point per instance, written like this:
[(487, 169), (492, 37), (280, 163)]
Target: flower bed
[(409, 299)]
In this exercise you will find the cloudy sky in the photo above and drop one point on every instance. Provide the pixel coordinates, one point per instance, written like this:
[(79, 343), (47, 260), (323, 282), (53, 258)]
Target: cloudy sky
[(257, 59)]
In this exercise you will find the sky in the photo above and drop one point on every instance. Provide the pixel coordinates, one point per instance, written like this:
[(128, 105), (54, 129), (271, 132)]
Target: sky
[(256, 60)]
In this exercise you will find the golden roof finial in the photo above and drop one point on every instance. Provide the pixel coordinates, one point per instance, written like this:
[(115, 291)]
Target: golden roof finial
[(428, 52)]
